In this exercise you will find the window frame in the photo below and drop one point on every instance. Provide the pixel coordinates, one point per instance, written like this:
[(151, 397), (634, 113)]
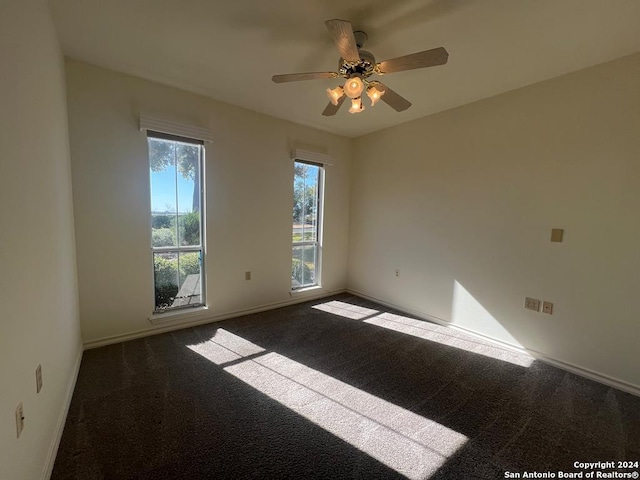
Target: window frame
[(179, 248), (317, 280)]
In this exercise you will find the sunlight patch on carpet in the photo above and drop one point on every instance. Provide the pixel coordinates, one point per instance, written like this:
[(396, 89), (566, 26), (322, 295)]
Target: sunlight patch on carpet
[(346, 310), (224, 347), (410, 444), (465, 307)]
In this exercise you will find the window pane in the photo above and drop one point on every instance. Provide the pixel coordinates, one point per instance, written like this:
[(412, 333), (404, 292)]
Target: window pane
[(296, 268), (189, 275), (177, 279), (188, 194), (165, 274), (303, 265), (163, 192), (305, 202)]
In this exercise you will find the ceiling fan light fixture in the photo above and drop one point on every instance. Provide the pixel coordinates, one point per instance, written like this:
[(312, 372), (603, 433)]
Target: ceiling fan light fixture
[(356, 105), (357, 65), (354, 87), (374, 94), (335, 94)]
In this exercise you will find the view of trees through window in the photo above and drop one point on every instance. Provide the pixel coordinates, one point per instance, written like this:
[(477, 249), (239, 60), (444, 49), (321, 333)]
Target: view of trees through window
[(176, 227), (306, 216)]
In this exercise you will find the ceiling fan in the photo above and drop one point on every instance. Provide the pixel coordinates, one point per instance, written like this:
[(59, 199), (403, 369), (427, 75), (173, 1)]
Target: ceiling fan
[(357, 65)]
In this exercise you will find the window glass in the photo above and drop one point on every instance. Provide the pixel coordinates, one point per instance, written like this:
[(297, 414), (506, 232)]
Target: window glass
[(176, 221), (307, 185)]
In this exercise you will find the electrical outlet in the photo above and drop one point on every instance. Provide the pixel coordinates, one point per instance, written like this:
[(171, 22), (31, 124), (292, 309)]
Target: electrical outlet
[(19, 419), (397, 272), (532, 304), (547, 307), (247, 275), (38, 378)]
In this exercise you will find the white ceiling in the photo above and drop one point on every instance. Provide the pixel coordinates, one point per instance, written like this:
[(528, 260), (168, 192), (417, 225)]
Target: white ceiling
[(229, 49)]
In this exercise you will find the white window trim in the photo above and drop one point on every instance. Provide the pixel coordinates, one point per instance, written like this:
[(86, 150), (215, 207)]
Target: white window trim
[(307, 290)]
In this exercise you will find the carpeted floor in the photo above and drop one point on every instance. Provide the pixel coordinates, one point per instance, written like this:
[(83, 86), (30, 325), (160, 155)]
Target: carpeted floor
[(338, 388)]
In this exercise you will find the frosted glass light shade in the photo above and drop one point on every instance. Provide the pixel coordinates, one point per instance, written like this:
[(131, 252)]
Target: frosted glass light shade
[(374, 94), (335, 94), (353, 88), (356, 105)]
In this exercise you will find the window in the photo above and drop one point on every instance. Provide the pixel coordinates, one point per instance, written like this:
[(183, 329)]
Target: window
[(177, 221), (307, 224)]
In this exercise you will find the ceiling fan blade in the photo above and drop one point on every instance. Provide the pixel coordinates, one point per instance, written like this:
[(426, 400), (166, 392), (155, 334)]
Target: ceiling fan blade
[(343, 37), (332, 109), (391, 98), (296, 77), (428, 58)]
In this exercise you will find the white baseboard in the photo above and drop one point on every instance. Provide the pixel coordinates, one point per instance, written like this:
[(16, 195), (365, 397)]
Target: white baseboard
[(590, 374), (297, 297), (62, 419), (570, 367)]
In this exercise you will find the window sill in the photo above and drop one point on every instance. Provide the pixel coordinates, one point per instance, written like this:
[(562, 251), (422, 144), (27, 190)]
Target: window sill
[(301, 291), (177, 315)]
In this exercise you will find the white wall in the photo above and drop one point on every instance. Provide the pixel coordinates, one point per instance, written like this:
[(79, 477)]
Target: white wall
[(463, 203), (249, 182), (39, 319)]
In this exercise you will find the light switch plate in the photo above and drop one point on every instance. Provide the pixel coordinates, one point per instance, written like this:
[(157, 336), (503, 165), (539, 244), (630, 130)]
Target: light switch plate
[(557, 234)]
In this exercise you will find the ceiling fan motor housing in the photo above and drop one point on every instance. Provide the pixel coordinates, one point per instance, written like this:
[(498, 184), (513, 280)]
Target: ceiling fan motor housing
[(363, 68)]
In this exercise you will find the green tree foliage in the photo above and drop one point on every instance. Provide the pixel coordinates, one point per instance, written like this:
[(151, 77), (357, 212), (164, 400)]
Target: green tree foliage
[(163, 230), (189, 227), (163, 237), (166, 280), (162, 221), (189, 264)]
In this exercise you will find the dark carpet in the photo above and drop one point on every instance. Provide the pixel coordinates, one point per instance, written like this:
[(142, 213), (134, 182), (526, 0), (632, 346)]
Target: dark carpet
[(331, 389)]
